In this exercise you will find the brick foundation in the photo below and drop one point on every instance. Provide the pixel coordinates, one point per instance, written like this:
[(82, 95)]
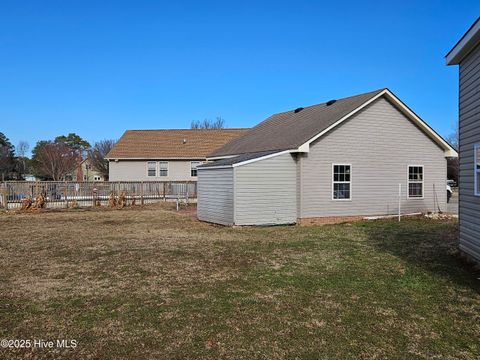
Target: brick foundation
[(328, 220)]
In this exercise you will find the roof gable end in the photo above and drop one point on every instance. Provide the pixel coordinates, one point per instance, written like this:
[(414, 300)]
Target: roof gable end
[(404, 109), (465, 45), (296, 131)]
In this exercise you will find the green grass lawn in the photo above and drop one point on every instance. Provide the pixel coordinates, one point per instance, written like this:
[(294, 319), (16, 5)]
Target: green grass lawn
[(148, 283)]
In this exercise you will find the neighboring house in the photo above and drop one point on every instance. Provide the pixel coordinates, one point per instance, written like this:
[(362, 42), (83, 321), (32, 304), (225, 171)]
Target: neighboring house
[(164, 155), (466, 54), (86, 172), (338, 160)]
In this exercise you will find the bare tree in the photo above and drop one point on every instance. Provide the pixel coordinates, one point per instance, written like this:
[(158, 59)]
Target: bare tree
[(453, 163), (453, 138), (22, 148), (98, 153), (21, 152), (56, 160), (218, 123)]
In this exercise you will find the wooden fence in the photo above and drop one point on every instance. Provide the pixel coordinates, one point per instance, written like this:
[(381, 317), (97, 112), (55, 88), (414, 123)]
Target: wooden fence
[(86, 194)]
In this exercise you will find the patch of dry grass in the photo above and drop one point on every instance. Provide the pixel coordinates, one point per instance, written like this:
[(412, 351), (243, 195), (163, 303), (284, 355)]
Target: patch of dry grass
[(148, 283)]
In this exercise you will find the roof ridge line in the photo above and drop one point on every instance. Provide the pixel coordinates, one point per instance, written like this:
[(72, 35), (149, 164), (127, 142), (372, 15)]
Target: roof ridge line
[(344, 98), (178, 129)]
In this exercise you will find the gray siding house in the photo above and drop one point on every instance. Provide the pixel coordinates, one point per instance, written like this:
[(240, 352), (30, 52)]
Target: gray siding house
[(164, 155), (466, 54), (339, 160)]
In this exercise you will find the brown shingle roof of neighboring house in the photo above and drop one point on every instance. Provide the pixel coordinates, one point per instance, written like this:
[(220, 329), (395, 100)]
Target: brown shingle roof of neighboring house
[(288, 130), (171, 144)]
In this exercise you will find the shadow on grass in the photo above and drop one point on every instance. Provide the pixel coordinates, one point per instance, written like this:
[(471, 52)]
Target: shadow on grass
[(425, 244)]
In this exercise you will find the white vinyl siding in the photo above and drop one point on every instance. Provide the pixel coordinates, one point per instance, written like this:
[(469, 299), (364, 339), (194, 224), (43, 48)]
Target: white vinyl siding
[(215, 196), (136, 170), (263, 192), (266, 191), (379, 142)]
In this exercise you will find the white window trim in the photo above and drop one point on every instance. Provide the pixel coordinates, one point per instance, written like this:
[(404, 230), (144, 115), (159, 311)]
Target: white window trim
[(168, 168), (198, 164), (156, 168), (344, 182), (476, 172), (415, 182)]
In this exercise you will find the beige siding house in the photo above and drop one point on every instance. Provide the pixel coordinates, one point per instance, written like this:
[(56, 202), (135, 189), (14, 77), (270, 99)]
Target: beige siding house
[(466, 54), (164, 155), (342, 159), (87, 172)]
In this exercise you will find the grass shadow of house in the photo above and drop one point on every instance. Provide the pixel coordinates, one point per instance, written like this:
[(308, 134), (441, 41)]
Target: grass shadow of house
[(426, 246)]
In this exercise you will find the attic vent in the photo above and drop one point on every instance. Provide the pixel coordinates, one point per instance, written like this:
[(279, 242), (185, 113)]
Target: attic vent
[(330, 102), (297, 110)]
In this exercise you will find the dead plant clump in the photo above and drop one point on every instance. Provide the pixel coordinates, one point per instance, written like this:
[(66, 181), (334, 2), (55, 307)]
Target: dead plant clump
[(119, 202), (112, 200), (40, 201), (26, 204), (122, 200)]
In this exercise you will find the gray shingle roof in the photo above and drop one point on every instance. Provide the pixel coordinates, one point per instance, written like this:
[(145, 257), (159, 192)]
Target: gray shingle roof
[(288, 130)]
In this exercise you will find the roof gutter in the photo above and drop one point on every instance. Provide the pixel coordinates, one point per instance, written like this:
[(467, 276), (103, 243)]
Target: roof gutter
[(465, 45), (245, 162), (221, 157), (153, 158)]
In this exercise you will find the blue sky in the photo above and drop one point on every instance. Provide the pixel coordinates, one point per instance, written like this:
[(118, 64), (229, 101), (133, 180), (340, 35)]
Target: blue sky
[(99, 67)]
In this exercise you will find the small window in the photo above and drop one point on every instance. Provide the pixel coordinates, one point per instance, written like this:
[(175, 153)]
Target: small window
[(415, 181), (163, 168), (152, 168), (476, 169), (193, 167), (342, 181)]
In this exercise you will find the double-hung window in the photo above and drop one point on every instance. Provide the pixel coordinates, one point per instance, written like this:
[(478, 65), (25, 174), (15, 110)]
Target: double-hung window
[(152, 168), (415, 181), (476, 170), (193, 167), (342, 182), (163, 166)]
